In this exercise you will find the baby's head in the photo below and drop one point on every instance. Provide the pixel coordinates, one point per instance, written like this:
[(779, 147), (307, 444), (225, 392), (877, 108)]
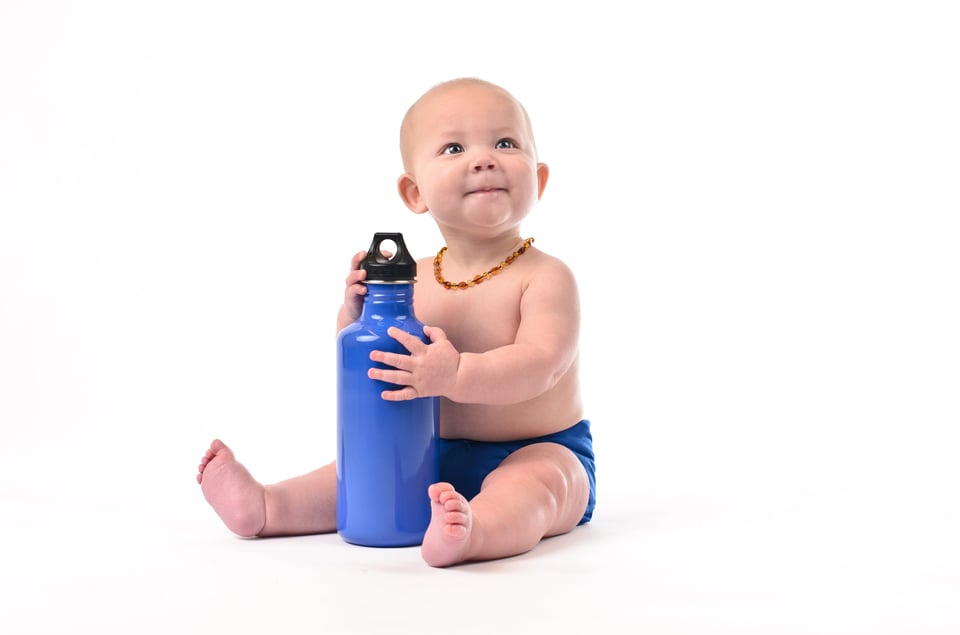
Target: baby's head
[(469, 156), (421, 116)]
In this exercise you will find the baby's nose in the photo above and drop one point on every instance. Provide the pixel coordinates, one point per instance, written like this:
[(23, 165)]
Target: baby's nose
[(484, 163)]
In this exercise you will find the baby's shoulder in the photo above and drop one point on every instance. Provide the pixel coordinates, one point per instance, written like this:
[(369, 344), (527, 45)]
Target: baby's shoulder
[(544, 267)]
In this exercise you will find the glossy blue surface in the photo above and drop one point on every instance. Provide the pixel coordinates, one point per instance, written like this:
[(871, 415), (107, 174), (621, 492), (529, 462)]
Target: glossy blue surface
[(386, 450)]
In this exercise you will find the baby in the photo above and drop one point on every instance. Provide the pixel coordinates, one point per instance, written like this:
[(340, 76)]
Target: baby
[(503, 317)]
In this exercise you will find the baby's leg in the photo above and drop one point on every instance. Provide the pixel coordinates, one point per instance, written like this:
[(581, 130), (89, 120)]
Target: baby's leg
[(540, 490), (302, 505)]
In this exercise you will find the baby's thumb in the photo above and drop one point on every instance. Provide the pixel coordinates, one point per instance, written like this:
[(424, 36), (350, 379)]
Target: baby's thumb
[(435, 333)]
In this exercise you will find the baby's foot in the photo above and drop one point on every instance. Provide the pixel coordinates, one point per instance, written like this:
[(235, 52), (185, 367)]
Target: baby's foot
[(451, 524), (236, 497)]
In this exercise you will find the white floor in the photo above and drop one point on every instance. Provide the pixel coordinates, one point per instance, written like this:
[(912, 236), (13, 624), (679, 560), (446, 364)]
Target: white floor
[(138, 551)]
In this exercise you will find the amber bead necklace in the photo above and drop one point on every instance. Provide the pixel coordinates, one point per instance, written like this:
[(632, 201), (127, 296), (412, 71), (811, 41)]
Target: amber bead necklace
[(477, 279)]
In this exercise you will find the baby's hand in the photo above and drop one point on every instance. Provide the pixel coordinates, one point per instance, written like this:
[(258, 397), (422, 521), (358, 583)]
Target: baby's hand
[(353, 294), (430, 370)]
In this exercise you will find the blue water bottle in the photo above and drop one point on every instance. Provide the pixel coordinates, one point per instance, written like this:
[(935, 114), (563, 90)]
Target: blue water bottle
[(386, 450)]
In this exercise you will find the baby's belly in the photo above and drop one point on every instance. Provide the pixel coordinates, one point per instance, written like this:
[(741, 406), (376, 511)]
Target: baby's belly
[(506, 423)]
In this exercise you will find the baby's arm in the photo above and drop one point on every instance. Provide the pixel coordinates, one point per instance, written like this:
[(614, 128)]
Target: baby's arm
[(545, 346)]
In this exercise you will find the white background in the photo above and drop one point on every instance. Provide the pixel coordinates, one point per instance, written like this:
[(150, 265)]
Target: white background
[(760, 201)]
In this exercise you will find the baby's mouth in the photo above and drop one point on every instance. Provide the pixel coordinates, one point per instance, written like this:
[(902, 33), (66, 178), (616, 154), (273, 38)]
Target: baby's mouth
[(486, 190)]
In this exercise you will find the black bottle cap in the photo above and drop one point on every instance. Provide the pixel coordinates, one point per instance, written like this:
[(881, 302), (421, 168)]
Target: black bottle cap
[(400, 267)]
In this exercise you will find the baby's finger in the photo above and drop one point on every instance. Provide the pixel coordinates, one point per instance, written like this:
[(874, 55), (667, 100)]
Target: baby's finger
[(357, 259), (435, 333), (409, 342), (398, 377), (391, 359), (357, 275), (404, 394)]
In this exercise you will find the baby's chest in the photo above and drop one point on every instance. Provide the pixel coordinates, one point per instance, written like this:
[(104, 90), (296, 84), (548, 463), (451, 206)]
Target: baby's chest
[(473, 323)]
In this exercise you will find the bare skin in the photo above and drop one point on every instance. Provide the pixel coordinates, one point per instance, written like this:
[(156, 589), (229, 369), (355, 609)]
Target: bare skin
[(540, 490), (502, 356), (233, 493), (533, 485), (302, 505)]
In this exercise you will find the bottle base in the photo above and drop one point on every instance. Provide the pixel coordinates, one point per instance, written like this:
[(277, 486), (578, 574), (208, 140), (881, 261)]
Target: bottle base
[(386, 542)]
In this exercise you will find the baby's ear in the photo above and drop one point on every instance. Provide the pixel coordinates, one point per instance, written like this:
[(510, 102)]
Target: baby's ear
[(543, 172), (410, 193)]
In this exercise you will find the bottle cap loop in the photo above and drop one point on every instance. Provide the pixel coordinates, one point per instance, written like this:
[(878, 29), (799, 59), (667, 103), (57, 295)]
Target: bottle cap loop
[(399, 267)]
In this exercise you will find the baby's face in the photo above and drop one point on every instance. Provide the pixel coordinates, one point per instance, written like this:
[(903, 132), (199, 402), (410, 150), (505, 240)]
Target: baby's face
[(473, 158)]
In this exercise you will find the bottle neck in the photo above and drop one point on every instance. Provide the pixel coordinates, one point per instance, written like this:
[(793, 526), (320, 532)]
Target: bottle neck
[(388, 300)]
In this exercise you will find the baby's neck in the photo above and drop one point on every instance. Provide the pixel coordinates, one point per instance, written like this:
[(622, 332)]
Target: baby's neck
[(472, 251)]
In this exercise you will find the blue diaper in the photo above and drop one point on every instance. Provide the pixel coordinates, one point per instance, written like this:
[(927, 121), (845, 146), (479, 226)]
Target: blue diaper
[(464, 464)]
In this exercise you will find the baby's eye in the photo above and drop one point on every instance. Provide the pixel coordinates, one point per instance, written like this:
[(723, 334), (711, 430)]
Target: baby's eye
[(452, 148), (505, 144)]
